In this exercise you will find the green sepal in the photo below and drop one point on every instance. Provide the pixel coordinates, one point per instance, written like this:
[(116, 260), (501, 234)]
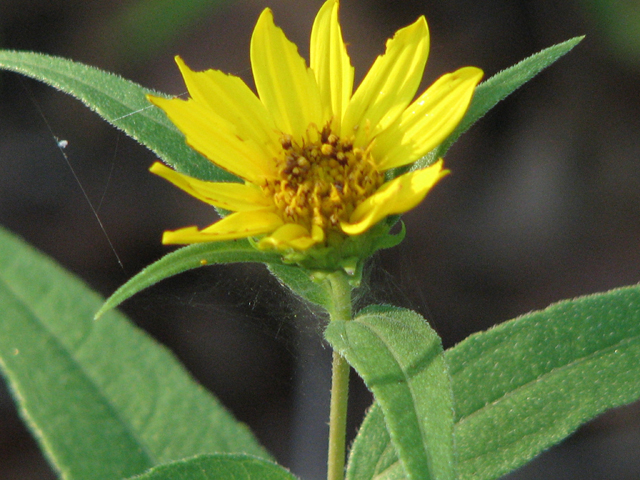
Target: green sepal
[(400, 358), (389, 241), (307, 276), (120, 102), (219, 467), (188, 258), (347, 253)]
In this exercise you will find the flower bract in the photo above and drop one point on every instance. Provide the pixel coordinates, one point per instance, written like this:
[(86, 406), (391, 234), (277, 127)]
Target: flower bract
[(312, 153)]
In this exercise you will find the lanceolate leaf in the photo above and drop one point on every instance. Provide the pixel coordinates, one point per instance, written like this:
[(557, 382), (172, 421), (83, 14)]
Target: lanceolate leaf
[(188, 258), (526, 384), (219, 467), (121, 103), (539, 377), (497, 88), (104, 400), (204, 254), (400, 359)]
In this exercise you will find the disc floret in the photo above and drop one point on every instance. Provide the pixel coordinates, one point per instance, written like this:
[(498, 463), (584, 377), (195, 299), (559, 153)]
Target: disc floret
[(321, 180)]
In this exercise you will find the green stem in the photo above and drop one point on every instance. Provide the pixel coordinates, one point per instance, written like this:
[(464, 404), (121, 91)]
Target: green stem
[(341, 293)]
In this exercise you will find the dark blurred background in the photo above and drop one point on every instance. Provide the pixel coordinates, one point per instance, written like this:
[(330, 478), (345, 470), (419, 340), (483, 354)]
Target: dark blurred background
[(543, 203)]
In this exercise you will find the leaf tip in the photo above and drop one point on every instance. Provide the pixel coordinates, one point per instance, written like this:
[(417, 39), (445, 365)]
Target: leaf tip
[(575, 40), (106, 306)]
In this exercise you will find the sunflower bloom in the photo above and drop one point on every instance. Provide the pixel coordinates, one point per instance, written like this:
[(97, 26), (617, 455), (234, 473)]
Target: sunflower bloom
[(312, 153)]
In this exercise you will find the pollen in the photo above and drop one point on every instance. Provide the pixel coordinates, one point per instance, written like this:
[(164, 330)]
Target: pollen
[(322, 179)]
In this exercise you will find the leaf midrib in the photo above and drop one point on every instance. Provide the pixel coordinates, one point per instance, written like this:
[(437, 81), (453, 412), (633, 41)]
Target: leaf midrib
[(552, 372), (411, 390), (108, 402)]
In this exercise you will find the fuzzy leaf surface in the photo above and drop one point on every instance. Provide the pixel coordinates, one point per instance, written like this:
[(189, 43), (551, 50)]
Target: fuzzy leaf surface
[(219, 467), (103, 399), (525, 385), (372, 455), (400, 359), (120, 102)]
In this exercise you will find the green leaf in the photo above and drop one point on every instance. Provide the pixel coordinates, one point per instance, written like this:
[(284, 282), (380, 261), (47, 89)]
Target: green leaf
[(372, 454), (198, 255), (400, 359), (299, 280), (219, 467), (188, 258), (104, 400), (497, 88), (525, 385), (121, 103)]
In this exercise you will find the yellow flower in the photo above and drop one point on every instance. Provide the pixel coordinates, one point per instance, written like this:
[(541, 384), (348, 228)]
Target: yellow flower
[(312, 155)]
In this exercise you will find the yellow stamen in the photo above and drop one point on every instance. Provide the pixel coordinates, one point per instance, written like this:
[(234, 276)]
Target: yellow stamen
[(321, 182)]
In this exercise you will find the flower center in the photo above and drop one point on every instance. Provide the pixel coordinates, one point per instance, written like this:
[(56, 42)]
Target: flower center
[(322, 181)]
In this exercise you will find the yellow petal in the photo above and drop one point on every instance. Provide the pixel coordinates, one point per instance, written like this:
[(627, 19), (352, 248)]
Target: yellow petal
[(397, 196), (286, 86), (302, 243), (390, 84), (289, 235), (330, 63), (218, 139), (317, 233), (229, 97), (236, 225), (230, 196), (428, 121)]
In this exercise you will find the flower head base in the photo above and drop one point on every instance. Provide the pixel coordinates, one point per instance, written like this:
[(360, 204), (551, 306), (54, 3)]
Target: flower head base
[(312, 155)]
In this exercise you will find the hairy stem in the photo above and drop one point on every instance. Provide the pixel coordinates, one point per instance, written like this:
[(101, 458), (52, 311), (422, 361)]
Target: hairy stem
[(341, 292)]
